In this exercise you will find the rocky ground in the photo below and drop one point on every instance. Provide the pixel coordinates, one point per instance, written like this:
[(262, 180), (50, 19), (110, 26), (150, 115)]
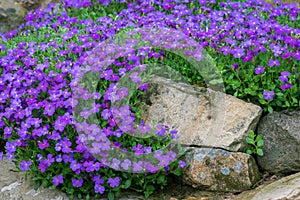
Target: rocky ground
[(14, 186)]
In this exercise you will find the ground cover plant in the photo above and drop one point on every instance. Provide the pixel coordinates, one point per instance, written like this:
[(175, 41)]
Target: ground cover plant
[(255, 47)]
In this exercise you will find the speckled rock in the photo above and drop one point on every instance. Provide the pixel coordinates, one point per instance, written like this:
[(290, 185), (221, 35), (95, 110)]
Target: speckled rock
[(203, 117), (220, 170), (281, 134), (287, 188)]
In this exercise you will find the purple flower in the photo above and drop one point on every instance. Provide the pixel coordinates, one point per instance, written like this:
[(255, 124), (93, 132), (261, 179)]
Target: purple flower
[(57, 180), (135, 77), (59, 124), (238, 52), (284, 76), (160, 131), (126, 164), (174, 134), (273, 63), (114, 182), (115, 163), (286, 86), (296, 55), (44, 164), (181, 164), (77, 182), (93, 166), (235, 66), (7, 132), (259, 70), (99, 188), (138, 149), (164, 160), (138, 166), (107, 74), (268, 95), (24, 166), (75, 166), (43, 144)]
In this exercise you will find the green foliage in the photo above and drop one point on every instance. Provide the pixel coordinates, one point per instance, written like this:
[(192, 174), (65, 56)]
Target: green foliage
[(255, 142)]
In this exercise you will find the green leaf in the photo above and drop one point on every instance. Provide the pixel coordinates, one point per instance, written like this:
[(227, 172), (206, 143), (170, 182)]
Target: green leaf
[(262, 101), (280, 94), (260, 143), (111, 196), (37, 185), (45, 183), (127, 184), (249, 151), (177, 172), (251, 134), (260, 152), (249, 140), (161, 179), (258, 137), (270, 109), (149, 190)]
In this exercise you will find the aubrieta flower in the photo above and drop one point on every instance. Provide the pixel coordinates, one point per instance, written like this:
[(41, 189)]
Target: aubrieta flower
[(268, 95), (259, 70), (126, 164), (181, 164), (286, 86), (77, 182), (273, 63), (284, 76), (25, 165), (114, 182), (57, 180)]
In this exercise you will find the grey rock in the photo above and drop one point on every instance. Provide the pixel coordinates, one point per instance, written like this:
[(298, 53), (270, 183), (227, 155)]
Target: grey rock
[(281, 134), (13, 186), (203, 117), (220, 170), (287, 188), (11, 15)]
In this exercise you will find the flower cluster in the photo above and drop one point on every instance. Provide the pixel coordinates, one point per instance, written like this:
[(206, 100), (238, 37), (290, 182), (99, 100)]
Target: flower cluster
[(60, 125)]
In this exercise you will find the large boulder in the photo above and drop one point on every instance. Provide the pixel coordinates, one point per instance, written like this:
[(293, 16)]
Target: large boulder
[(220, 170), (287, 188), (281, 134), (203, 117)]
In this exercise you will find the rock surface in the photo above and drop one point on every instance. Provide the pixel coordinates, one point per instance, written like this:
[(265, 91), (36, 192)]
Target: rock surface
[(203, 117), (12, 12), (220, 170), (281, 134), (287, 188), (11, 15), (13, 186)]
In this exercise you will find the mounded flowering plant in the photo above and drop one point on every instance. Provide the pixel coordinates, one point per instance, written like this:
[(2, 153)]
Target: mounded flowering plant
[(65, 148), (255, 47)]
